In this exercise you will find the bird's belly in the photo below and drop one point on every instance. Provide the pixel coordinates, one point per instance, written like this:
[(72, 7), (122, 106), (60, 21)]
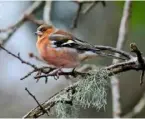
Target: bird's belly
[(66, 58)]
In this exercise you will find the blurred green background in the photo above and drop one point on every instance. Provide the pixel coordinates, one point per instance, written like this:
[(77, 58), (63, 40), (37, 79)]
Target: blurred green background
[(99, 26)]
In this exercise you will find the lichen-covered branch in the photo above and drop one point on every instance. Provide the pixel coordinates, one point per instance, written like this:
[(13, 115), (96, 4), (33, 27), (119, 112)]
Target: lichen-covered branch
[(131, 64), (114, 69)]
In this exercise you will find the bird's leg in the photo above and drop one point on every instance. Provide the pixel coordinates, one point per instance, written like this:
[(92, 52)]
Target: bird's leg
[(38, 74), (56, 73)]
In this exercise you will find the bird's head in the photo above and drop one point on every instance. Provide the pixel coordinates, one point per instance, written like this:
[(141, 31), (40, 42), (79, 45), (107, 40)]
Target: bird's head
[(41, 30)]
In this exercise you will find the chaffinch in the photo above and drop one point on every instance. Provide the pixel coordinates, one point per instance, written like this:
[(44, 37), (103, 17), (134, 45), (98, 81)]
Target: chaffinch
[(62, 50)]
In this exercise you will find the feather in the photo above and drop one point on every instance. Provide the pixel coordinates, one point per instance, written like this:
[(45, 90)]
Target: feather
[(69, 41)]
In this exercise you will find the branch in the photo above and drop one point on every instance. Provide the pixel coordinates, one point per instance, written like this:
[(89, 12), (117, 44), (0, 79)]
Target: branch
[(31, 55), (40, 70), (137, 108), (87, 9), (49, 103), (11, 29), (80, 3), (46, 70), (114, 69), (132, 64), (34, 20), (19, 58), (135, 49), (42, 109), (47, 12), (120, 42), (141, 103)]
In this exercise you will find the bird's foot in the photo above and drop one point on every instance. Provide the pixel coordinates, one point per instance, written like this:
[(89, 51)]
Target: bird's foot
[(56, 73), (38, 74)]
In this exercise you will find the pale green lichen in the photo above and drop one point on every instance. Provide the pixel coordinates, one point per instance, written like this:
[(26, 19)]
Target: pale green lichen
[(91, 90), (64, 110)]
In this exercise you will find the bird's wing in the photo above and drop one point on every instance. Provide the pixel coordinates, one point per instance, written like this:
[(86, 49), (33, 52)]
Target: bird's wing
[(64, 39)]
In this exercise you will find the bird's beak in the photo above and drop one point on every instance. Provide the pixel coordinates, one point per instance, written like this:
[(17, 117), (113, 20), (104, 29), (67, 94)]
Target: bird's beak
[(39, 33)]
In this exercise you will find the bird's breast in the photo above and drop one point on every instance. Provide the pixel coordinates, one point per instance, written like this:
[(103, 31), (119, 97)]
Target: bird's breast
[(60, 57)]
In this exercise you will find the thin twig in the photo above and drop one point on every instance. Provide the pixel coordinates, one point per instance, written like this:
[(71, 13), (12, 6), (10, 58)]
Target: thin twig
[(50, 69), (43, 110), (35, 68), (19, 58), (61, 73), (80, 3), (87, 9), (44, 70), (11, 29), (49, 103), (34, 20), (135, 49), (76, 18), (137, 108), (31, 55), (28, 74), (120, 42)]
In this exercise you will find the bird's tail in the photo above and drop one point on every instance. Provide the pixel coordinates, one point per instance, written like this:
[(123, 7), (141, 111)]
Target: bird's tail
[(110, 55), (100, 53)]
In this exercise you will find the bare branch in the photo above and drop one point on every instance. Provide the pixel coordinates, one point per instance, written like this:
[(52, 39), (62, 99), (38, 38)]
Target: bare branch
[(47, 12), (34, 20), (43, 110), (141, 103), (28, 74), (31, 55), (19, 58), (76, 17), (49, 103), (137, 108), (87, 9), (44, 70), (80, 3), (74, 73), (135, 49), (121, 39), (11, 29)]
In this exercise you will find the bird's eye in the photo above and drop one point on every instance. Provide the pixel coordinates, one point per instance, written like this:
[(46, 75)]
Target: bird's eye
[(43, 29)]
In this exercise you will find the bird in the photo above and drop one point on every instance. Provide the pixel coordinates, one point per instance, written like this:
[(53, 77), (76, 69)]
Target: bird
[(61, 49)]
